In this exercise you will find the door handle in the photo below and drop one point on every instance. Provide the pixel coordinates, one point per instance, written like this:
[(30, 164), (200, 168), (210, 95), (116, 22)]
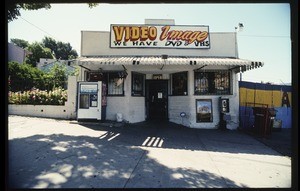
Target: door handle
[(152, 99)]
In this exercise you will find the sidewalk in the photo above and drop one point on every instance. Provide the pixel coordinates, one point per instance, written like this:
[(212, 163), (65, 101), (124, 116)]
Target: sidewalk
[(47, 153)]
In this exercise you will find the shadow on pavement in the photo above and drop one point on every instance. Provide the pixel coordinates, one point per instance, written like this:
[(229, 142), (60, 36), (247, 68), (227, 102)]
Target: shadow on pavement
[(281, 141), (175, 136), (64, 161)]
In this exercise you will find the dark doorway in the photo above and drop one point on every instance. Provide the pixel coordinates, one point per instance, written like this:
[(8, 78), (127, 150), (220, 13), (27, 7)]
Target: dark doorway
[(157, 99)]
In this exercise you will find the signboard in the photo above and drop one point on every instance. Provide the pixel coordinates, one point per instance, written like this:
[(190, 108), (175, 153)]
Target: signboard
[(88, 88), (161, 36)]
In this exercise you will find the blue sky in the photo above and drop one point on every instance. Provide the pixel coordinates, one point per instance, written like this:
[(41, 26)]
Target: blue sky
[(265, 37)]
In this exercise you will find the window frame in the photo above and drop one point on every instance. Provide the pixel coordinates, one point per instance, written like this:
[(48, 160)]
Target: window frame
[(186, 83), (142, 92), (212, 81), (105, 78), (108, 86)]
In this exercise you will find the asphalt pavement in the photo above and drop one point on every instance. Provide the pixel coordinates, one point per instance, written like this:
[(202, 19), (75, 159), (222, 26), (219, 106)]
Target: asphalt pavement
[(49, 153)]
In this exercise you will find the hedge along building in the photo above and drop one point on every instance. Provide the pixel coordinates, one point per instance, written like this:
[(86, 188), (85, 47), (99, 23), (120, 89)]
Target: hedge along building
[(159, 70)]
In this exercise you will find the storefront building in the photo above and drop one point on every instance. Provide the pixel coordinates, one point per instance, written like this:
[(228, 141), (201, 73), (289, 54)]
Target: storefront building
[(162, 71)]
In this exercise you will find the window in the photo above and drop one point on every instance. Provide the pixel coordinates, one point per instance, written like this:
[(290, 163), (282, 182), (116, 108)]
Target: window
[(115, 84), (179, 83), (137, 84), (84, 101), (114, 81), (212, 82)]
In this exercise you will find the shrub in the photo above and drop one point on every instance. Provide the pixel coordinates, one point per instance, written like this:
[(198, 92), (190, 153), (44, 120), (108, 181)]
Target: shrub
[(57, 96), (23, 77)]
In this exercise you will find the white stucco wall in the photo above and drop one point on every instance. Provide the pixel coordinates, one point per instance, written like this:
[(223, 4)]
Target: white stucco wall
[(47, 111), (67, 111), (133, 108), (187, 104)]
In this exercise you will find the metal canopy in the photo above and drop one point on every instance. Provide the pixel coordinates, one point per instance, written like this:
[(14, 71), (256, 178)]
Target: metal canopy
[(234, 64)]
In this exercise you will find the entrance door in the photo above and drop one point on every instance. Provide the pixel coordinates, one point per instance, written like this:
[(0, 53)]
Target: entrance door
[(157, 99)]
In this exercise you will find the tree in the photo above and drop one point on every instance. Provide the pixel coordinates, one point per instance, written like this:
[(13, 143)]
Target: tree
[(58, 75), (20, 42), (49, 42), (61, 50), (13, 9), (48, 48), (73, 55), (38, 51)]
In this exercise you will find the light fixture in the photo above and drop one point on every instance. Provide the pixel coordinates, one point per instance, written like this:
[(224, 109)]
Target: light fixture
[(164, 56), (193, 62), (122, 74), (240, 27), (135, 62)]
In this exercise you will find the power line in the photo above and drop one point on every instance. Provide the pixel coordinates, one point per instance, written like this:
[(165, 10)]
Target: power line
[(38, 27), (266, 36)]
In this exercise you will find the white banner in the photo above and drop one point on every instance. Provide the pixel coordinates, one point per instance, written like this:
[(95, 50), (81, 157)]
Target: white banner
[(164, 36)]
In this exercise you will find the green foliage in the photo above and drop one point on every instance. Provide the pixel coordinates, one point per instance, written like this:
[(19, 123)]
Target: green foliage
[(72, 55), (24, 77), (92, 5), (49, 42), (38, 51), (13, 9), (35, 6), (61, 50), (74, 72), (48, 48), (58, 75), (20, 42), (37, 97)]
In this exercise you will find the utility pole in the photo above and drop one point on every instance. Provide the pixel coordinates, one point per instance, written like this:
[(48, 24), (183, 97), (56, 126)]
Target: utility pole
[(239, 28)]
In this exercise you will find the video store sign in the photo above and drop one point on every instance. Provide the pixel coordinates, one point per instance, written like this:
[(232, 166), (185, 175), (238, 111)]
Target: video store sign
[(150, 36)]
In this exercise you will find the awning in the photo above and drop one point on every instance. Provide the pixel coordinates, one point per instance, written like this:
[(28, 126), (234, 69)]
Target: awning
[(233, 63)]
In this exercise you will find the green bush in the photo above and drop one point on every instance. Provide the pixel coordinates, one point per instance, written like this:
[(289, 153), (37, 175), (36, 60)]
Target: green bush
[(37, 97), (24, 77)]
